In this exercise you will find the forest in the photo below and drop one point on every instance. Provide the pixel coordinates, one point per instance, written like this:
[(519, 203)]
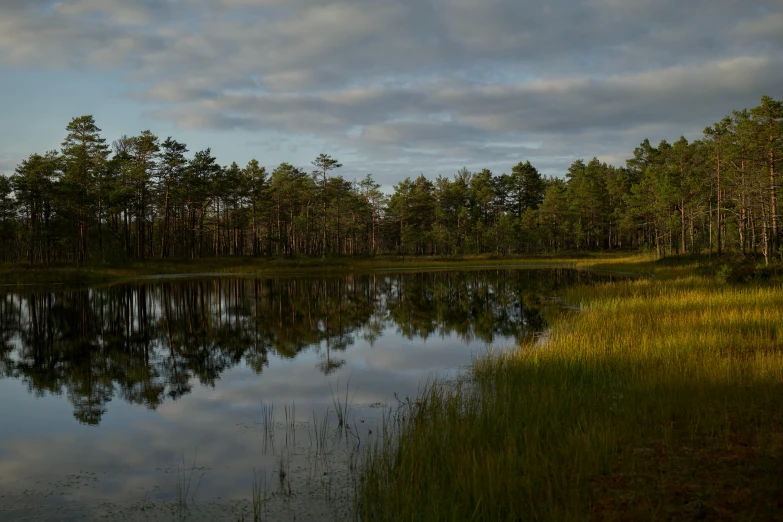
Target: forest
[(146, 198)]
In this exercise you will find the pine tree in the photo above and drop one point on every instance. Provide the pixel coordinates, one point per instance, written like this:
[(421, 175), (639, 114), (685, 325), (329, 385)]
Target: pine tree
[(84, 153), (324, 164), (769, 117), (170, 173)]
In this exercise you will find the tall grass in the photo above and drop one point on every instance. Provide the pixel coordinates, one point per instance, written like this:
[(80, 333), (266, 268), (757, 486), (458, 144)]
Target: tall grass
[(259, 496), (661, 399), (342, 406), (185, 475)]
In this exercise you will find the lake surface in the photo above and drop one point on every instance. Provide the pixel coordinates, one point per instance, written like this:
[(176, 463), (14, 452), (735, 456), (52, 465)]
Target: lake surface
[(172, 398)]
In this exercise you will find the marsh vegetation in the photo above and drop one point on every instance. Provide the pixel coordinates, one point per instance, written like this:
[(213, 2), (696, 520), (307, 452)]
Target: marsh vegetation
[(658, 399), (220, 397), (389, 394)]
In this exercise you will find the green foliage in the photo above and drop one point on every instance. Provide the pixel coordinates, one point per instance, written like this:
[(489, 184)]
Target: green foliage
[(147, 199)]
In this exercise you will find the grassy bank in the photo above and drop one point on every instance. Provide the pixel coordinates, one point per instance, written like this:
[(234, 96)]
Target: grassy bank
[(662, 399), (248, 266)]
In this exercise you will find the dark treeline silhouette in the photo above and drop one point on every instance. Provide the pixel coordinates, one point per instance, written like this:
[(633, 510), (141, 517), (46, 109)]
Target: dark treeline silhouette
[(146, 198), (146, 343)]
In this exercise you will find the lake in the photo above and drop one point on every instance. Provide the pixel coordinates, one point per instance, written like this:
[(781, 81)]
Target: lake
[(177, 397)]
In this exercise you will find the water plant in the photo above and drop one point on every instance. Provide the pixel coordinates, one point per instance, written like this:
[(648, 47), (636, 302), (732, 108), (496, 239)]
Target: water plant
[(660, 399), (342, 406), (185, 476), (259, 496), (268, 426), (320, 437), (290, 424)]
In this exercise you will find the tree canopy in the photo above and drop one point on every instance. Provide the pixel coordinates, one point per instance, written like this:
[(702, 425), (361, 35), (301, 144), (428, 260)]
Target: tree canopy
[(146, 198)]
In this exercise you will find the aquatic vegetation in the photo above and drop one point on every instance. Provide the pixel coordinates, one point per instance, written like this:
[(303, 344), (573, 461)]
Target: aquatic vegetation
[(342, 406), (185, 476), (259, 496), (660, 398), (654, 397)]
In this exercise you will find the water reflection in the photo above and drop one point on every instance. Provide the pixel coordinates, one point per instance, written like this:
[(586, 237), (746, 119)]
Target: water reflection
[(149, 343)]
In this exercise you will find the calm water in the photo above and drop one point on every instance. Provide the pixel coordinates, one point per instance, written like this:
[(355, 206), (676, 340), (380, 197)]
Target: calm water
[(105, 391)]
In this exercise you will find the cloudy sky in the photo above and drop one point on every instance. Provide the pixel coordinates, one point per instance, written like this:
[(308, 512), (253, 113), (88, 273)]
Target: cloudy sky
[(389, 87)]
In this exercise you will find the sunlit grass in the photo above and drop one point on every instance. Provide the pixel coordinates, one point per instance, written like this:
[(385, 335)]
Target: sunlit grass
[(661, 399)]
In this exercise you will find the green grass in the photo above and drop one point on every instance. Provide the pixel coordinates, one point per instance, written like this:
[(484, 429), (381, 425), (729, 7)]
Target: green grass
[(662, 399), (259, 497)]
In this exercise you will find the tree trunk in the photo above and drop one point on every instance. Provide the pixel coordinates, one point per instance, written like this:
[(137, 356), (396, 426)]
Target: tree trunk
[(718, 221), (773, 200), (164, 247)]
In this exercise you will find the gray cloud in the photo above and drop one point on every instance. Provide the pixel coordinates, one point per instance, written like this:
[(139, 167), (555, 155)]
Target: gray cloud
[(7, 164), (399, 81), (119, 12)]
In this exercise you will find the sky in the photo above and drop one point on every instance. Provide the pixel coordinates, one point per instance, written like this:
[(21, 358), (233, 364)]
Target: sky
[(389, 87)]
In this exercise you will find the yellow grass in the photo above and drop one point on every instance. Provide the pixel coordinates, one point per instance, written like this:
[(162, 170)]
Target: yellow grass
[(661, 399)]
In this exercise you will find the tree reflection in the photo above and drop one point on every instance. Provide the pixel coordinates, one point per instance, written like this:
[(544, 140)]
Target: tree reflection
[(149, 342)]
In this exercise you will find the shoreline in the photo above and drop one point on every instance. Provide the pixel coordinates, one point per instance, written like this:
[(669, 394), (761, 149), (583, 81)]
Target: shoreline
[(21, 275), (662, 403)]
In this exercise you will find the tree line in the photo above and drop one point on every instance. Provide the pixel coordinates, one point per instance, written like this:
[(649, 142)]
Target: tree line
[(143, 197)]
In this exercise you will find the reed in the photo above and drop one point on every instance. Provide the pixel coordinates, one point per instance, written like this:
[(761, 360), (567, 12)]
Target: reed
[(259, 497), (185, 476), (342, 406), (659, 399), (268, 427), (319, 439)]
